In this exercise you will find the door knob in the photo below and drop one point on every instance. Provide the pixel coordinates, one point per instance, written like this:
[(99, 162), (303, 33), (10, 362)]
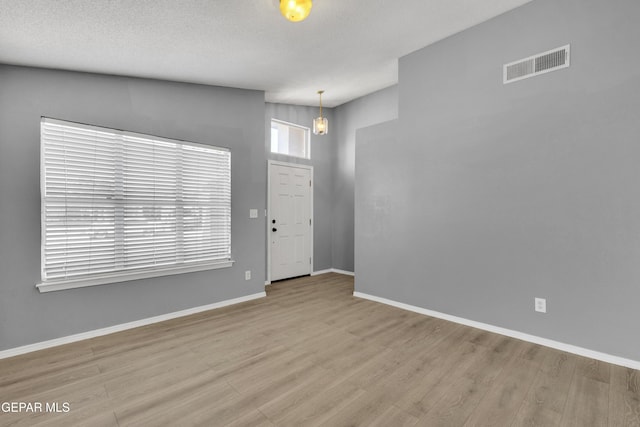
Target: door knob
[(274, 229), (273, 221)]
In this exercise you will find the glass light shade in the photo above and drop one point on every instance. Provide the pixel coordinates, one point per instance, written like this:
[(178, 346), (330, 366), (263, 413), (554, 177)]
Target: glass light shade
[(295, 10), (320, 126)]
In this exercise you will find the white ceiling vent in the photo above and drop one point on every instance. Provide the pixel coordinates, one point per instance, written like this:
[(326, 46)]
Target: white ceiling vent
[(541, 63)]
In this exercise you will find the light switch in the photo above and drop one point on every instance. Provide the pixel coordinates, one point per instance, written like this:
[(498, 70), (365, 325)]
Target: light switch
[(253, 213)]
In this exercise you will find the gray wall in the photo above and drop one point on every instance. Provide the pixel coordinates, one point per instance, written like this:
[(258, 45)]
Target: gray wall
[(374, 108), (321, 160), (496, 194), (211, 115), (379, 184)]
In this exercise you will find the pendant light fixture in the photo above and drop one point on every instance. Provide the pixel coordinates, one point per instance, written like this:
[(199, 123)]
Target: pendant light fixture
[(320, 124), (295, 10)]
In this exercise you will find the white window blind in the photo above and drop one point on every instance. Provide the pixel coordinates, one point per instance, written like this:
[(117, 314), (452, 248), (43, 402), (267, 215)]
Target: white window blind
[(118, 205)]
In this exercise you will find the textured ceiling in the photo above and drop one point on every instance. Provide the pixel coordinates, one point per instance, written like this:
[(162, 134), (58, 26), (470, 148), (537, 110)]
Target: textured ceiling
[(349, 48)]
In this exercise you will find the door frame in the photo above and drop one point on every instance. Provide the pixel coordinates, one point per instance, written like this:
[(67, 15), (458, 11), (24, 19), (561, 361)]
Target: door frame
[(270, 164)]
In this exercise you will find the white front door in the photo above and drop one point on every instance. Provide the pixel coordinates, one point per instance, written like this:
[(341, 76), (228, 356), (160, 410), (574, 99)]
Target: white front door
[(289, 220)]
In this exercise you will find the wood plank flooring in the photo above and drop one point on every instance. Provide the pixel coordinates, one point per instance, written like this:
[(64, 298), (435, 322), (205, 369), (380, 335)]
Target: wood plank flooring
[(311, 354)]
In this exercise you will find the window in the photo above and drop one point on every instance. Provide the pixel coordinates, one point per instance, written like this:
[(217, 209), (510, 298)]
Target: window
[(290, 139), (119, 206)]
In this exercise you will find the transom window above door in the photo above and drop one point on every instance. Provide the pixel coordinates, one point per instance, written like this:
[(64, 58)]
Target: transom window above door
[(290, 139)]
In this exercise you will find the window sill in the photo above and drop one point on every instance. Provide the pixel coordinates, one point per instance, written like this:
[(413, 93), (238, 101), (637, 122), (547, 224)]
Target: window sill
[(59, 285)]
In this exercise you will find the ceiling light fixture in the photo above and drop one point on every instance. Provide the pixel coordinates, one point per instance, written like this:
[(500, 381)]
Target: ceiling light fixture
[(320, 124), (295, 10)]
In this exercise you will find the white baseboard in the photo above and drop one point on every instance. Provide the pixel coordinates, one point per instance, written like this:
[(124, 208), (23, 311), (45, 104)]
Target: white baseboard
[(337, 270), (332, 270), (616, 360), (316, 273), (124, 326)]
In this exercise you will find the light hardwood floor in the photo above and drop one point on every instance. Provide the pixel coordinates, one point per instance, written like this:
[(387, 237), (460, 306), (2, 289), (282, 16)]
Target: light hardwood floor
[(312, 354)]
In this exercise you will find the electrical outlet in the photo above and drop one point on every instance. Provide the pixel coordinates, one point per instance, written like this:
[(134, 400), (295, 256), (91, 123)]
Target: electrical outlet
[(541, 305), (247, 275)]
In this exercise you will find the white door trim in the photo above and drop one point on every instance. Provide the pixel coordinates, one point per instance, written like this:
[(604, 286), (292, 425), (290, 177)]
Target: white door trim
[(271, 163)]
